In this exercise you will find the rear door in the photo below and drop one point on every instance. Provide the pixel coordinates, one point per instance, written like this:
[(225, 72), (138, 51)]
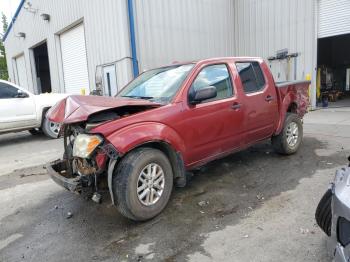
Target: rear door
[(212, 127), (259, 102), (15, 112)]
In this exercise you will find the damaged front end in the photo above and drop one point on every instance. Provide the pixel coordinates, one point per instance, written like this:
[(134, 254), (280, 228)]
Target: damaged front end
[(84, 163), (87, 155)]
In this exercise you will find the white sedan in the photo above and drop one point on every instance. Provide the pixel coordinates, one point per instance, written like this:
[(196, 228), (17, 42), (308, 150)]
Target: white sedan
[(21, 110)]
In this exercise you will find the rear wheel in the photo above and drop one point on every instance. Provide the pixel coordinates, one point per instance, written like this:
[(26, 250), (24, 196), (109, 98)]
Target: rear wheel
[(324, 213), (142, 184), (289, 140), (50, 129)]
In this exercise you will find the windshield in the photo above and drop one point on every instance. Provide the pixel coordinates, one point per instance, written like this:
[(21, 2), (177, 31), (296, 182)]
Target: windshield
[(157, 85)]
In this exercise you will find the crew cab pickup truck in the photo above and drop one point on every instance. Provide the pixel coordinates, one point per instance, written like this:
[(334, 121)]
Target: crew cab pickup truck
[(169, 121), (21, 110)]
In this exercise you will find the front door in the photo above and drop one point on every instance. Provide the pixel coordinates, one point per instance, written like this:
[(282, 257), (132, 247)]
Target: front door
[(212, 127), (110, 81)]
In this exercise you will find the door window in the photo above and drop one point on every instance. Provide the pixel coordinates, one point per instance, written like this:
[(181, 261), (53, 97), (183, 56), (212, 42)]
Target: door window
[(217, 76), (7, 91), (251, 76)]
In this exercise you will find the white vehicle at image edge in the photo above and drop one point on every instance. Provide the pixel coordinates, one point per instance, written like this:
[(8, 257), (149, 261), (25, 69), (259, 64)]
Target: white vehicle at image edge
[(21, 110)]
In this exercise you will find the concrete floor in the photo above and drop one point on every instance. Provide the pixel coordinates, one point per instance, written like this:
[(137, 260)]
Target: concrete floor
[(17, 151), (260, 206)]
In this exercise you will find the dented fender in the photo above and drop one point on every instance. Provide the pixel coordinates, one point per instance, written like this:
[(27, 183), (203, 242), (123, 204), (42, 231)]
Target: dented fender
[(289, 95), (132, 136)]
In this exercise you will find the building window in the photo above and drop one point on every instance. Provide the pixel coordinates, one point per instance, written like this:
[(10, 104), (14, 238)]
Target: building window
[(251, 75)]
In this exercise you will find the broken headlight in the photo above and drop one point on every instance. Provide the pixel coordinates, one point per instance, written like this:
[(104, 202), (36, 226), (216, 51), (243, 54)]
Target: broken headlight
[(84, 145), (343, 231)]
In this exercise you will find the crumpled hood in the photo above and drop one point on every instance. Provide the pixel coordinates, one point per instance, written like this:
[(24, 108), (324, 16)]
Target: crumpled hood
[(74, 109)]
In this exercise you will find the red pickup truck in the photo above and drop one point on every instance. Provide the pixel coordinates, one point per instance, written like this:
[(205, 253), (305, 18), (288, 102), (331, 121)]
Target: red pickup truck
[(169, 121)]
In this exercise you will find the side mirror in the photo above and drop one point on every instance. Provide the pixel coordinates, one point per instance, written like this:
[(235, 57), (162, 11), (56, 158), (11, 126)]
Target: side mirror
[(202, 94), (21, 94)]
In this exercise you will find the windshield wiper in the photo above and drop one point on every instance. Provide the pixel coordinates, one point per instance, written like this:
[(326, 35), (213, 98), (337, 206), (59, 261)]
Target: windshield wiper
[(140, 97)]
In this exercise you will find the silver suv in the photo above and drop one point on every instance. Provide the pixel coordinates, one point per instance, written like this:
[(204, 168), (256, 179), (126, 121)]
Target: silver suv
[(333, 215)]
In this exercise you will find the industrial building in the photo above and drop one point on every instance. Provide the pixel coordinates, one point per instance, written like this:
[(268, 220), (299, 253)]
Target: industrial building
[(70, 46)]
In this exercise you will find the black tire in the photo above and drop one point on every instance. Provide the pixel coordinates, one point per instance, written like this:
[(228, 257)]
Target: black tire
[(125, 182), (280, 143), (324, 212), (35, 131), (48, 130)]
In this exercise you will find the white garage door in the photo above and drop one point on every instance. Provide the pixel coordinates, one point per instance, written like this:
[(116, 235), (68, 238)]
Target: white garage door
[(21, 80), (334, 18), (74, 60)]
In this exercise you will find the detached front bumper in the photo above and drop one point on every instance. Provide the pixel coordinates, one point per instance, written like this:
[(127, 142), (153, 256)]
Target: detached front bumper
[(58, 172)]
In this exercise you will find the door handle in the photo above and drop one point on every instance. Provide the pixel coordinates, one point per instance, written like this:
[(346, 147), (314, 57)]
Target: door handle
[(268, 98), (236, 106)]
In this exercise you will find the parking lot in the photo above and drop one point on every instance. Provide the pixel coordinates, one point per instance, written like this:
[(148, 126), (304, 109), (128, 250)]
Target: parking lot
[(252, 206)]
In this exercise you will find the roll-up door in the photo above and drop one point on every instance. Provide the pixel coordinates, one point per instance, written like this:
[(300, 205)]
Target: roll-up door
[(75, 70), (334, 18), (21, 80)]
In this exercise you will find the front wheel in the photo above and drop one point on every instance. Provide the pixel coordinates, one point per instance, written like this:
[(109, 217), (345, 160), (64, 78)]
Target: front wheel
[(142, 183), (50, 129), (289, 140)]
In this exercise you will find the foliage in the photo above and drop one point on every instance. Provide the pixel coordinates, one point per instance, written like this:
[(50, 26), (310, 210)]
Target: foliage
[(3, 64)]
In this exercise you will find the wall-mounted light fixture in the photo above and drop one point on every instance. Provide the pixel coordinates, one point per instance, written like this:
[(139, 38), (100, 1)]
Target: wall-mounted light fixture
[(29, 8), (45, 17), (21, 34)]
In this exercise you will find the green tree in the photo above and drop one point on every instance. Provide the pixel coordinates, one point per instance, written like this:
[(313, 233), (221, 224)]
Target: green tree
[(3, 64)]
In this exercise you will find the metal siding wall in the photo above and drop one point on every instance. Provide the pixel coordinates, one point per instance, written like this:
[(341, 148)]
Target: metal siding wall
[(263, 27), (183, 30), (167, 31), (106, 35), (334, 18)]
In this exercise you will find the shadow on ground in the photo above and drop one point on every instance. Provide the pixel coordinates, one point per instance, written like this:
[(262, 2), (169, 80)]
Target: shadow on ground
[(230, 188), (21, 138)]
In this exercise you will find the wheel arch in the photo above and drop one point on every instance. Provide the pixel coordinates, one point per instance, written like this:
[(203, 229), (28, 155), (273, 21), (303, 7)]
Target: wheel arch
[(288, 106), (293, 108), (154, 135), (43, 114), (175, 158)]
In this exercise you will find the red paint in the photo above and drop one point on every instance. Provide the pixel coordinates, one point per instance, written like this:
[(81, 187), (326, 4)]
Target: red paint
[(200, 133), (101, 159), (75, 109)]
